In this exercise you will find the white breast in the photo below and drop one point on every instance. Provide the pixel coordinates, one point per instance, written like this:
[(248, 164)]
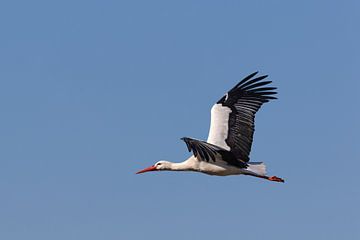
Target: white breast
[(218, 168)]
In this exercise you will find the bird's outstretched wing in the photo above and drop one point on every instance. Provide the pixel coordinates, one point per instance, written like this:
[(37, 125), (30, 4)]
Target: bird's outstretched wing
[(233, 116), (204, 151)]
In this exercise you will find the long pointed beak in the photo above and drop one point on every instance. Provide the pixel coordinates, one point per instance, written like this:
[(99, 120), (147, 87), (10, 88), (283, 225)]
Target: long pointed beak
[(148, 169)]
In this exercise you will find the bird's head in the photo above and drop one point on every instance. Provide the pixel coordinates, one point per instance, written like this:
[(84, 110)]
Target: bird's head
[(160, 165)]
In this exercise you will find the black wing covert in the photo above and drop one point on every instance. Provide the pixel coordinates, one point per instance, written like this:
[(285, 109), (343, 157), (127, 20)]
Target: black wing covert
[(244, 100), (206, 151)]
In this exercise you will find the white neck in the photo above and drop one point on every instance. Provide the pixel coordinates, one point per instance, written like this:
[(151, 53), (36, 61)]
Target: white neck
[(182, 166)]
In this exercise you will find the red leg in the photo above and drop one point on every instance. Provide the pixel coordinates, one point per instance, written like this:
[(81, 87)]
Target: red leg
[(272, 178), (275, 179)]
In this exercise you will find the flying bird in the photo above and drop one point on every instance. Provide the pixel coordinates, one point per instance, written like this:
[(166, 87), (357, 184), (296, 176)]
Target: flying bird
[(227, 149)]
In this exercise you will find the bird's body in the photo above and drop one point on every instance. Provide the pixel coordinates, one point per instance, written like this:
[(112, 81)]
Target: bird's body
[(217, 168), (227, 149)]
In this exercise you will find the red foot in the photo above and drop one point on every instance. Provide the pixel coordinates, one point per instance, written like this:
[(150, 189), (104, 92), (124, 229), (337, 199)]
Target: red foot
[(276, 179)]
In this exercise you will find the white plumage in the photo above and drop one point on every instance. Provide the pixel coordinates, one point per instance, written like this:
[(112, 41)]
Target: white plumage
[(219, 126), (227, 149)]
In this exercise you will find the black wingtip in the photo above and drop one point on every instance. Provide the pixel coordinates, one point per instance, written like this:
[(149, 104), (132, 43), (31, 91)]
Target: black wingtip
[(245, 79), (256, 86), (248, 77), (186, 142)]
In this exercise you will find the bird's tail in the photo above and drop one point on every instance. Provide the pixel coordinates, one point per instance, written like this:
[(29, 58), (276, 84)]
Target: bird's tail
[(257, 167)]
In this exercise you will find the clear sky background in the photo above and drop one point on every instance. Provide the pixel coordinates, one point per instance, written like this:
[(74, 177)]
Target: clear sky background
[(93, 91)]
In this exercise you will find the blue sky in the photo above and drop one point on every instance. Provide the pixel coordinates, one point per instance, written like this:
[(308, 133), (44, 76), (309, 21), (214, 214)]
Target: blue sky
[(92, 91)]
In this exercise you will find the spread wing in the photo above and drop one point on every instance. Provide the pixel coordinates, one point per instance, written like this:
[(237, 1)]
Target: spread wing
[(204, 151), (233, 116)]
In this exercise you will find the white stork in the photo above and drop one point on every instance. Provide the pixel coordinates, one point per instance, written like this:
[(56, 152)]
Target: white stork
[(227, 149)]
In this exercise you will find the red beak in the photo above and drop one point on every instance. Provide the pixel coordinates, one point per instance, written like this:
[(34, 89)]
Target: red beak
[(152, 168)]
